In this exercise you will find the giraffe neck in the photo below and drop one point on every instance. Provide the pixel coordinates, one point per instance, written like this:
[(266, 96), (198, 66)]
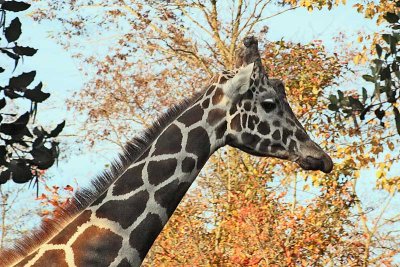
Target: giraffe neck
[(120, 226)]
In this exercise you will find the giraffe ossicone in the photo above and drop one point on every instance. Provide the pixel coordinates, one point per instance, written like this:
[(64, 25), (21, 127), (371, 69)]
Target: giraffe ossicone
[(115, 222)]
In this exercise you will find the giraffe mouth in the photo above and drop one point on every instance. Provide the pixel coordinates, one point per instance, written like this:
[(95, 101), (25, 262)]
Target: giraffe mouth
[(323, 164)]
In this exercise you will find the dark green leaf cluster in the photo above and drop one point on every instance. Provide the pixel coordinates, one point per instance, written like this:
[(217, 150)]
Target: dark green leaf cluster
[(383, 102), (25, 150)]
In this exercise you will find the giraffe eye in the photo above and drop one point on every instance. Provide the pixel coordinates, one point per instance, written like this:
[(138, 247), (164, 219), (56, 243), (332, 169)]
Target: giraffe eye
[(268, 105)]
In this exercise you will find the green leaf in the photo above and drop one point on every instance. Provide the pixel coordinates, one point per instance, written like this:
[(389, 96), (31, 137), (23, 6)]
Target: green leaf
[(378, 50), (2, 103), (397, 119), (20, 171), (23, 80), (369, 78), (36, 95), (15, 6), (391, 17), (57, 130), (364, 94), (333, 107), (13, 31), (24, 50)]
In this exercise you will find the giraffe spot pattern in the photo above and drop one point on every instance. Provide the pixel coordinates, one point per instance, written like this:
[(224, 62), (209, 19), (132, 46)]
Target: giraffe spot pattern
[(144, 155), (285, 134), (192, 115), (210, 90), (263, 128), (26, 259), (220, 130), (250, 139), (265, 145), (129, 181), (159, 171), (63, 236), (188, 165), (217, 97), (124, 263), (169, 142), (99, 199), (277, 123), (301, 135), (143, 236), (205, 103), (215, 116), (170, 195), (198, 143), (276, 135), (52, 258), (96, 247), (235, 123), (247, 106), (244, 120), (125, 212), (292, 146)]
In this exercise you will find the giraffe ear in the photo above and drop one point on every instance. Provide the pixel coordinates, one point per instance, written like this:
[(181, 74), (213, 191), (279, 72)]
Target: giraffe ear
[(240, 83)]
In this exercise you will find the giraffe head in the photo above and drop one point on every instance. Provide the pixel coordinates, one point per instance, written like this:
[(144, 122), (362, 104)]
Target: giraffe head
[(261, 122)]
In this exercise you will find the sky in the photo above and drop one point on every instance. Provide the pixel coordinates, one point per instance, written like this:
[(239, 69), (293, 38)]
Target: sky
[(61, 77)]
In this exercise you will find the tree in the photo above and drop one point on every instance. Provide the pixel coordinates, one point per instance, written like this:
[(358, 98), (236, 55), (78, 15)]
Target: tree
[(168, 51), (23, 155)]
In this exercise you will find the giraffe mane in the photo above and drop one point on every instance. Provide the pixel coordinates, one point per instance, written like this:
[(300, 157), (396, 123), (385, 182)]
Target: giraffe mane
[(86, 196)]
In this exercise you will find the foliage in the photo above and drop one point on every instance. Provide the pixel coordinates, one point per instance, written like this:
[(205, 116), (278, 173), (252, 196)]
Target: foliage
[(22, 154), (383, 100), (237, 215)]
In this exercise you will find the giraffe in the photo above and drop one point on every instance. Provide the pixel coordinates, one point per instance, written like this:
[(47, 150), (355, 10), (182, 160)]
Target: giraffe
[(115, 222)]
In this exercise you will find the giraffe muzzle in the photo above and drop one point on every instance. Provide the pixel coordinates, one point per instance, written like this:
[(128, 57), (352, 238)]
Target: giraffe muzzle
[(323, 163)]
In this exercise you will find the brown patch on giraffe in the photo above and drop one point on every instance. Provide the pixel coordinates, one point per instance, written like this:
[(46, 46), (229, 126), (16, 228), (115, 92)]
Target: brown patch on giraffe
[(124, 263), (64, 236), (265, 145), (169, 141), (247, 106), (250, 139), (99, 199), (144, 155), (263, 128), (211, 89), (285, 134), (301, 136), (244, 120), (215, 116), (188, 164), (198, 143), (220, 130), (124, 212), (205, 103), (292, 146), (217, 97), (192, 115), (159, 171), (143, 236), (277, 123), (276, 135), (222, 79), (129, 181), (52, 258), (26, 259), (233, 109), (170, 195), (251, 122), (235, 123), (96, 247)]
